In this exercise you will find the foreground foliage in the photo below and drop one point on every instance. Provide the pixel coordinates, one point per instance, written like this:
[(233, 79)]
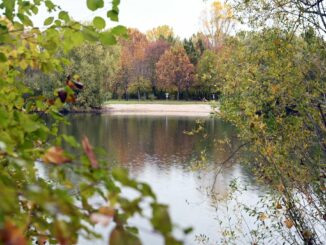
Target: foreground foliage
[(274, 92), (46, 193)]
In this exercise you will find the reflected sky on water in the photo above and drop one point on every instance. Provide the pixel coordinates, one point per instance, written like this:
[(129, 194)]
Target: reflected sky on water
[(157, 150)]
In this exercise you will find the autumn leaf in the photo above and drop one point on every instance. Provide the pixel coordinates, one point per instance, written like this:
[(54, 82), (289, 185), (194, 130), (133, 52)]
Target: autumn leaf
[(278, 205), (103, 216), (89, 152), (288, 223), (119, 236), (106, 211), (55, 155), (11, 234), (50, 101), (262, 216), (307, 234), (281, 187), (71, 84), (71, 98), (42, 240)]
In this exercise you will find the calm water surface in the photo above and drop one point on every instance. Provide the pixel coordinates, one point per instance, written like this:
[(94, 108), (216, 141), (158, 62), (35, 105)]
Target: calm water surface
[(156, 150)]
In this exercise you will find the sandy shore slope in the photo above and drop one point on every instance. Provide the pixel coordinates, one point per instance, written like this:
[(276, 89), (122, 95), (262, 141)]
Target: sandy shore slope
[(161, 109)]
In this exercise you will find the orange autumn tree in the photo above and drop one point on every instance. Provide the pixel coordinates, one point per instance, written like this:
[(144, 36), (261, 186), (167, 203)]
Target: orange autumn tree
[(174, 71), (133, 66), (153, 53)]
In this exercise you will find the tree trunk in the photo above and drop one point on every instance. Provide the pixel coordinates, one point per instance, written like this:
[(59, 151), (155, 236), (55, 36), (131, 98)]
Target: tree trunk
[(126, 95), (138, 93), (178, 95), (154, 90), (187, 93)]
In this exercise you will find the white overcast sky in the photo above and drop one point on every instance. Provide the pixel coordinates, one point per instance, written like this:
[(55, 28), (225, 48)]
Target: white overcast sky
[(182, 15)]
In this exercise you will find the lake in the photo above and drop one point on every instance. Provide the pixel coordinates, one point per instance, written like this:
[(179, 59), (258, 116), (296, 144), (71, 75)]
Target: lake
[(180, 167)]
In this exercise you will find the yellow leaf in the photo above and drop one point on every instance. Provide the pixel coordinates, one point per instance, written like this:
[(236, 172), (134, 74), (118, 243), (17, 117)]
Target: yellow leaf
[(281, 188), (106, 211), (289, 223), (263, 216), (103, 216)]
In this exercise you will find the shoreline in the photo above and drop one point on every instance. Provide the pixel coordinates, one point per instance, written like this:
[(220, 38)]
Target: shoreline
[(161, 109), (191, 110)]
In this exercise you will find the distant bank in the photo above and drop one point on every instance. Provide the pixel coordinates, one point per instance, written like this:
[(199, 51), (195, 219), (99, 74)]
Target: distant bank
[(162, 109)]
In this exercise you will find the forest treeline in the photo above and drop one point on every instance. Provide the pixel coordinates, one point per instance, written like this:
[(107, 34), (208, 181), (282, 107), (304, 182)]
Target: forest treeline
[(147, 65)]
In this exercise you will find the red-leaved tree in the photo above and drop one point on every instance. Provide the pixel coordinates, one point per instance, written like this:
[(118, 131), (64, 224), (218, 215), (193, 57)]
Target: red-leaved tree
[(174, 71)]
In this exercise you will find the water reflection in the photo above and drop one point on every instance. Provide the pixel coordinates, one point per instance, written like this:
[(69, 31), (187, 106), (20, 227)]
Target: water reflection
[(156, 150)]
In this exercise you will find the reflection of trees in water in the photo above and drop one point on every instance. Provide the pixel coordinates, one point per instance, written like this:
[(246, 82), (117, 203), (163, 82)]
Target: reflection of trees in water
[(130, 138), (158, 148), (134, 141)]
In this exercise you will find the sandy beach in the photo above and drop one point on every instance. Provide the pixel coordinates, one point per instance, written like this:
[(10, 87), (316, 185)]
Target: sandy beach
[(161, 109)]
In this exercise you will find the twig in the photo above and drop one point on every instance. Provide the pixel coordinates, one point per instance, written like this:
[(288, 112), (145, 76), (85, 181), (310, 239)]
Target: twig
[(226, 160)]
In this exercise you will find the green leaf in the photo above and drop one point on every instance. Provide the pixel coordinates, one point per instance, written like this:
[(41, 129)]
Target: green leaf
[(9, 4), (71, 140), (50, 5), (57, 22), (3, 57), (3, 27), (34, 9), (48, 21), (115, 2), (146, 190), (132, 229), (119, 236), (99, 23), (113, 15), (107, 38), (121, 175), (90, 35), (51, 45), (30, 125), (63, 15), (119, 30), (78, 38), (25, 19), (187, 230), (4, 117), (95, 4), (161, 220)]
